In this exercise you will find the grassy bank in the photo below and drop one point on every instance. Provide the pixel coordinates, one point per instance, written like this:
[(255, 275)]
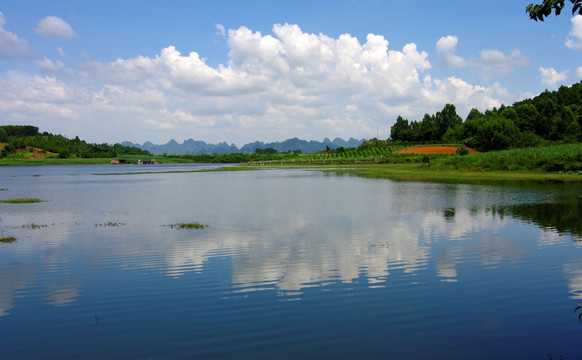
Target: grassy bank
[(414, 172), (555, 158), (8, 161), (380, 159)]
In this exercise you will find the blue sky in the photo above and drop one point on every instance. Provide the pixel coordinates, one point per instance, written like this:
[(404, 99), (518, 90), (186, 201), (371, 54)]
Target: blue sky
[(240, 71)]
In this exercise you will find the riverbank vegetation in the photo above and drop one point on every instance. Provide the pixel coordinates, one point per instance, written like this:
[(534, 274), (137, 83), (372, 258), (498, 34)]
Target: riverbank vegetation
[(26, 142), (538, 135)]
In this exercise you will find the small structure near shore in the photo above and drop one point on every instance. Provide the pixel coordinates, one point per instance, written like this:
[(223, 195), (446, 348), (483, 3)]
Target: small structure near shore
[(146, 162)]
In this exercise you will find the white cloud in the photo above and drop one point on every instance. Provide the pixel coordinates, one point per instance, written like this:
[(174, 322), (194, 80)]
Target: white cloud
[(491, 62), (220, 30), (55, 27), (45, 64), (579, 72), (464, 95), (574, 39), (446, 49), (61, 51), (11, 46), (274, 86), (551, 77)]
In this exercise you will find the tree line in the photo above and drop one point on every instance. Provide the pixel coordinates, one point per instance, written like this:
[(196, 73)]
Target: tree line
[(20, 136), (549, 117)]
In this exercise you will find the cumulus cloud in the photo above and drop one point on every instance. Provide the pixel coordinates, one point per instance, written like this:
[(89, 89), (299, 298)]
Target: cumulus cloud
[(55, 27), (46, 65), (220, 30), (551, 77), (464, 95), (274, 86), (574, 39), (11, 46), (446, 49), (579, 72), (491, 62)]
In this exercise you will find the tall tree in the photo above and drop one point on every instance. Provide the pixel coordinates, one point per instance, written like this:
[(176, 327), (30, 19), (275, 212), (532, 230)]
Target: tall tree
[(445, 119), (541, 11)]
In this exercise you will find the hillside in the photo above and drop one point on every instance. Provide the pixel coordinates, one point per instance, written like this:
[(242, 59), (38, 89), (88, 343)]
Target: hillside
[(551, 117), (26, 142)]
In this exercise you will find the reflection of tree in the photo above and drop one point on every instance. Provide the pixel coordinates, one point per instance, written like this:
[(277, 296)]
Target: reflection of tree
[(564, 217)]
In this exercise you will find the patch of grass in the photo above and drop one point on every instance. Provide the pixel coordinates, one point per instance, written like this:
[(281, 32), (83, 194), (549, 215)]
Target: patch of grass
[(187, 226), (33, 226), (2, 189), (22, 201), (565, 158), (110, 224), (7, 239)]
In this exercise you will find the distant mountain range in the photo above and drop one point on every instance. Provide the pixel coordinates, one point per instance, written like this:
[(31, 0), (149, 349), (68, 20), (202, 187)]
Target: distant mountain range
[(194, 147)]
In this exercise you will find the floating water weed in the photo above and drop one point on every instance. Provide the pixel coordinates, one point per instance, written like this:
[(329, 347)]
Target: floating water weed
[(7, 239), (33, 226), (187, 226), (110, 224), (22, 201)]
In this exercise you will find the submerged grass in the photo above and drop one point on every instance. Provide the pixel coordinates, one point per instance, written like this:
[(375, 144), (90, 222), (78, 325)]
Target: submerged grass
[(110, 224), (7, 239), (187, 226), (22, 201), (33, 226)]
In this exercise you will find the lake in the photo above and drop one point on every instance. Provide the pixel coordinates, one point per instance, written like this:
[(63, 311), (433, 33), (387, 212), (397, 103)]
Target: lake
[(291, 264)]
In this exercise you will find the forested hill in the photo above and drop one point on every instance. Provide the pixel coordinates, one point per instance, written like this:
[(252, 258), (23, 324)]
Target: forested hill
[(549, 117), (17, 137)]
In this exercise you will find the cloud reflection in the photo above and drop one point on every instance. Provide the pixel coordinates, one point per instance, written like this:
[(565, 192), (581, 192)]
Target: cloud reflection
[(291, 258)]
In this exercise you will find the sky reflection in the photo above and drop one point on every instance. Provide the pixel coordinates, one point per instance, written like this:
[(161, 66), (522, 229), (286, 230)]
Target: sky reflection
[(281, 232)]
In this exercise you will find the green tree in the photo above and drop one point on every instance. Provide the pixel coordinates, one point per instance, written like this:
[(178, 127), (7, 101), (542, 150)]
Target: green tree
[(445, 119), (541, 11), (496, 133), (401, 130)]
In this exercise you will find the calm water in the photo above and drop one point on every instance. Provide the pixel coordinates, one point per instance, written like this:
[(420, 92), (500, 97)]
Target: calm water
[(293, 264)]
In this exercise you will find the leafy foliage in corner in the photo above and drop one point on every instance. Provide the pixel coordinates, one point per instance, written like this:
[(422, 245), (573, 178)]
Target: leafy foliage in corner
[(541, 11)]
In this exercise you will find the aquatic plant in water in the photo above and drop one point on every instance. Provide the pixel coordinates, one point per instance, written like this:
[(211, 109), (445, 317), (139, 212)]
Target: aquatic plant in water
[(22, 201), (6, 239), (188, 226), (110, 224), (33, 226)]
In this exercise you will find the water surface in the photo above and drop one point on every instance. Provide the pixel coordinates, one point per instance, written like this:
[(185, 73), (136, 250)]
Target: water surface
[(292, 264)]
